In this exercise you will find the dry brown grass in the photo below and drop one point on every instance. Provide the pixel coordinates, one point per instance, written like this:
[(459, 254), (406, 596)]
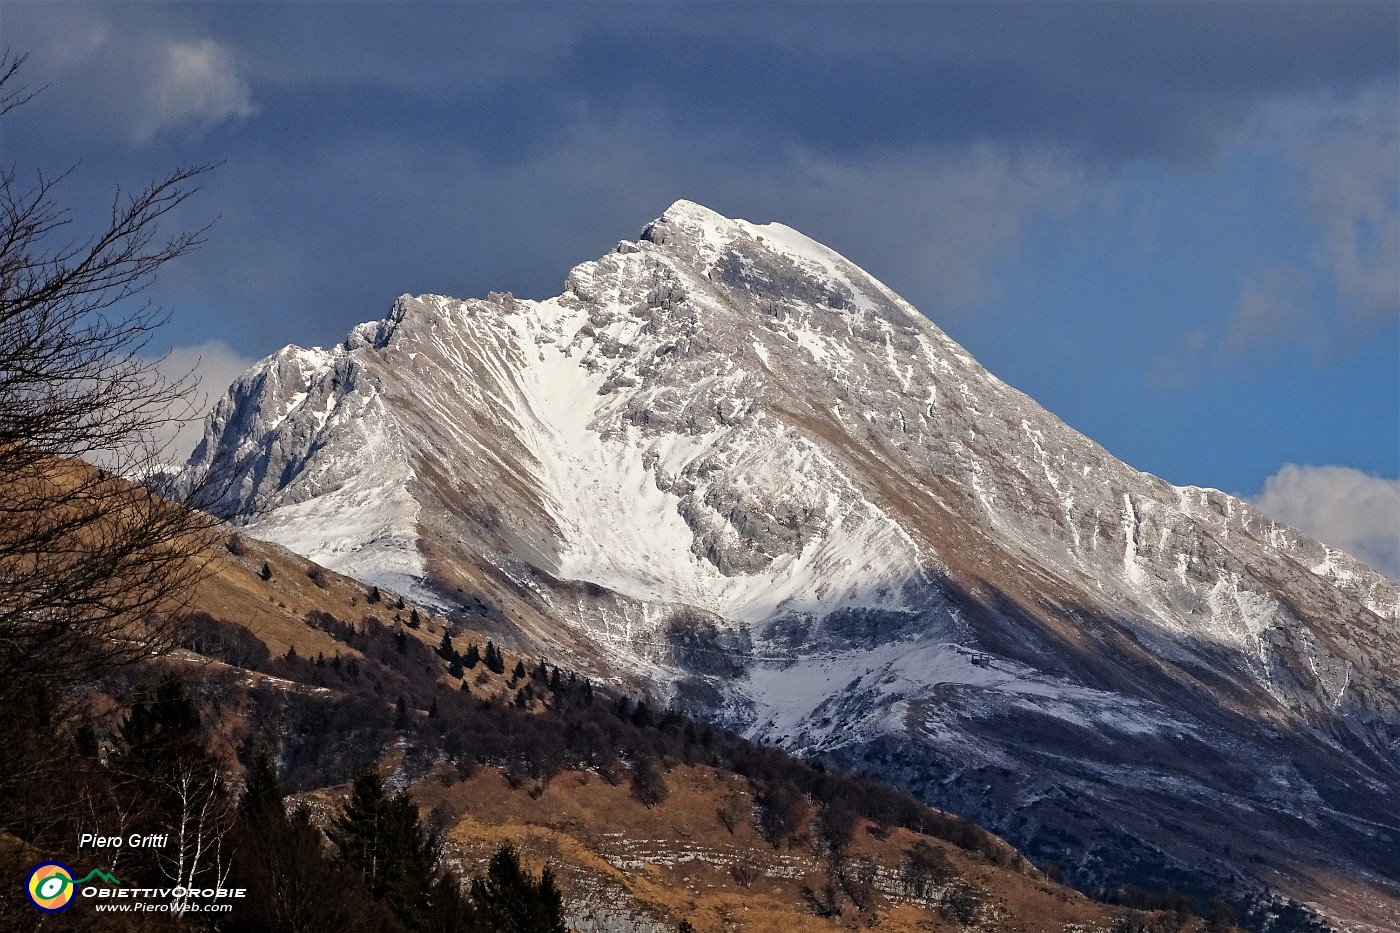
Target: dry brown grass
[(671, 862), (275, 610)]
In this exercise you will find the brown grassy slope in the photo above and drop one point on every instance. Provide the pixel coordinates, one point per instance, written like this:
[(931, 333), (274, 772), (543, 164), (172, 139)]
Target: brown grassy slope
[(677, 860), (275, 610)]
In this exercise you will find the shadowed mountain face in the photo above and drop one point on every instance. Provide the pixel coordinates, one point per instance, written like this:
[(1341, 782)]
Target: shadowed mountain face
[(728, 464)]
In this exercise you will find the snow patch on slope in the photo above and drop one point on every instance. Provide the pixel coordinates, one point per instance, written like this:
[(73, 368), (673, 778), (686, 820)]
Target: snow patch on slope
[(366, 527), (799, 699)]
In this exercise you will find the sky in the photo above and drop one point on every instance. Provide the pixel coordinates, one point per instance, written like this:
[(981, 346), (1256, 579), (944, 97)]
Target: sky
[(1177, 226)]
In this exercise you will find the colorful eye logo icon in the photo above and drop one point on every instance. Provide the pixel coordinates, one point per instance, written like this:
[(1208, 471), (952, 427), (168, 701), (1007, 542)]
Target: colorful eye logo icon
[(50, 887)]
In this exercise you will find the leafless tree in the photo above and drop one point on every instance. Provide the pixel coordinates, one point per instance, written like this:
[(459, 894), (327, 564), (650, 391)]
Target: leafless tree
[(857, 877), (925, 868), (648, 783), (746, 871), (963, 902), (203, 816), (93, 564), (824, 896)]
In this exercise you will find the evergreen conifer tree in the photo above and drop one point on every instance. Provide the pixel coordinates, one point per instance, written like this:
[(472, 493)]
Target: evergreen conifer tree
[(381, 839), (495, 661), (266, 572), (509, 899), (473, 657), (262, 792), (158, 726)]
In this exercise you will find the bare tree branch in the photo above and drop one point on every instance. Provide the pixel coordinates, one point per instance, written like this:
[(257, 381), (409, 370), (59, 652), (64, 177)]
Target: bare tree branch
[(12, 95), (93, 564)]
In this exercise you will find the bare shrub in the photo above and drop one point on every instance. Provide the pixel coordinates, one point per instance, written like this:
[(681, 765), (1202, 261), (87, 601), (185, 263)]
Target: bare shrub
[(781, 812), (962, 902), (857, 877), (925, 868), (648, 784), (825, 896), (745, 871)]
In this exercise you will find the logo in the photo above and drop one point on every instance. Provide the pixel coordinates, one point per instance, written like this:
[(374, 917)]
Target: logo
[(50, 886)]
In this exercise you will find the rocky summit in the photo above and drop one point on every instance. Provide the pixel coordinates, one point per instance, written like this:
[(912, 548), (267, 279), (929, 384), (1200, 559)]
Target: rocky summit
[(728, 466)]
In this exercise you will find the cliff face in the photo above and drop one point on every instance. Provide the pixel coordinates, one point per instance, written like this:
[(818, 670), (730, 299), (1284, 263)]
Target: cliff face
[(728, 464)]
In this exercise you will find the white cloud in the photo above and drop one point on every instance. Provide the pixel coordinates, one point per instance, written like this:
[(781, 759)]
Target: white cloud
[(193, 84), (1345, 508), (1350, 166), (1342, 159), (128, 72), (210, 368)]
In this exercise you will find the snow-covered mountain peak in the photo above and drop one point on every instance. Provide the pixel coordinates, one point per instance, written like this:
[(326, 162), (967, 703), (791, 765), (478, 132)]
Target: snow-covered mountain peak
[(731, 465), (694, 220), (377, 334), (773, 261)]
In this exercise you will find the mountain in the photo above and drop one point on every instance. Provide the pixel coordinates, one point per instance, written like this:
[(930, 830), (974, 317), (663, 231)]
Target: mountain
[(730, 467)]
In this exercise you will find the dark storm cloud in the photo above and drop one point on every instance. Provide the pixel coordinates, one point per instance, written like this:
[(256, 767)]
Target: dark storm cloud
[(371, 149), (1107, 81)]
